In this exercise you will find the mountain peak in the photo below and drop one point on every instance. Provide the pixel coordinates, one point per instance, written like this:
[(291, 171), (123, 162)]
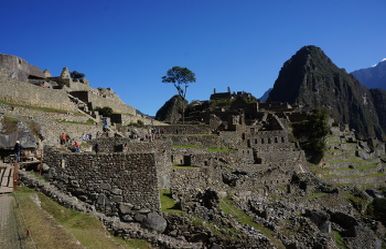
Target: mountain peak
[(311, 79)]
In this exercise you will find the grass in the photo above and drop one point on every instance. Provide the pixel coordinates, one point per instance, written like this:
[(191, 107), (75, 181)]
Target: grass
[(377, 174), (228, 207), (226, 233), (168, 204), (361, 167), (9, 124), (315, 195), (180, 167), (358, 202), (339, 240), (88, 122), (54, 226), (186, 146)]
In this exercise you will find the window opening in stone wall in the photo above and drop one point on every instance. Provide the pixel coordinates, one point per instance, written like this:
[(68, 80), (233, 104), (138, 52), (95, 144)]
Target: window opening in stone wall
[(262, 141), (255, 141), (276, 141), (187, 160), (269, 140), (282, 139)]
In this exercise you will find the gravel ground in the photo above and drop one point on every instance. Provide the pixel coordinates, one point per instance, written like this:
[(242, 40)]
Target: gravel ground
[(12, 235)]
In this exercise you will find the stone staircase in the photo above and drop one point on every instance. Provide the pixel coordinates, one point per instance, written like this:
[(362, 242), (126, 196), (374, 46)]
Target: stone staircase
[(84, 109)]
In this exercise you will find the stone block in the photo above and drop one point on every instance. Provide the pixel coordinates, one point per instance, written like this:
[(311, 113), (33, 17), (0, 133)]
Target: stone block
[(125, 208)]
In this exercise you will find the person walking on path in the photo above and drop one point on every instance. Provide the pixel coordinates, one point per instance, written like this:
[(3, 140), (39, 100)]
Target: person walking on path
[(17, 150), (96, 148)]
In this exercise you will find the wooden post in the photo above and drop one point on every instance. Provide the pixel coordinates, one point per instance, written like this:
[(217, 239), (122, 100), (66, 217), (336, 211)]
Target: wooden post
[(15, 176)]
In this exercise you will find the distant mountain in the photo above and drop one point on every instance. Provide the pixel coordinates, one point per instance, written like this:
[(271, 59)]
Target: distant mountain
[(373, 77), (313, 81), (265, 95)]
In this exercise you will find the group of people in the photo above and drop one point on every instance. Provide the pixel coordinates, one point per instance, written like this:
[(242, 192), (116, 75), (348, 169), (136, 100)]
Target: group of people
[(75, 145), (64, 139)]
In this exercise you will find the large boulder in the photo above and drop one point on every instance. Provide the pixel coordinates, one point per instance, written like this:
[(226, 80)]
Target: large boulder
[(155, 222), (171, 111)]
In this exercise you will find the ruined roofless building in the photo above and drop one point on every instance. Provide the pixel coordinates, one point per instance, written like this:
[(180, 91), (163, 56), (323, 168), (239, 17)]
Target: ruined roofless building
[(18, 68)]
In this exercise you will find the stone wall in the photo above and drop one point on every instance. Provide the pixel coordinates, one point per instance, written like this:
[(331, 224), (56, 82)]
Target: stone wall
[(23, 93), (18, 68), (106, 180), (199, 140), (114, 103), (160, 149), (52, 124), (183, 129)]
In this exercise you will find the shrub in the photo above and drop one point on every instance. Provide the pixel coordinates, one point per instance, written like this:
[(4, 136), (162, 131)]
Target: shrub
[(105, 111), (312, 133)]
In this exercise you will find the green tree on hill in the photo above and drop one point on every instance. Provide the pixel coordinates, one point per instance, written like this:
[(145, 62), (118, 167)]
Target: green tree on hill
[(181, 77)]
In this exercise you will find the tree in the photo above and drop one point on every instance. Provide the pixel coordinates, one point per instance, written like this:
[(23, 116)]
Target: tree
[(312, 134), (105, 111), (77, 75), (181, 77)]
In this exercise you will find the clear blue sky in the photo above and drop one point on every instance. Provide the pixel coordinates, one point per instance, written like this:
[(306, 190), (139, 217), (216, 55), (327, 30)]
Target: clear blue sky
[(128, 45)]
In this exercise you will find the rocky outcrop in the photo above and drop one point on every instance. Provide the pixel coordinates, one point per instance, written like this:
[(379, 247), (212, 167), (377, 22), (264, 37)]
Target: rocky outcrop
[(379, 100), (372, 77), (171, 111), (265, 96), (313, 81)]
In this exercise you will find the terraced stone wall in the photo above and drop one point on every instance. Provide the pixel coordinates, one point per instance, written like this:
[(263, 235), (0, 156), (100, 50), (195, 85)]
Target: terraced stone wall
[(106, 180), (26, 94)]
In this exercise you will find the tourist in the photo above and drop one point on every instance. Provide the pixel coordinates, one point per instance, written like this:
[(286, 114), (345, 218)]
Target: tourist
[(67, 139), (76, 146), (62, 138), (17, 150), (105, 125), (96, 148)]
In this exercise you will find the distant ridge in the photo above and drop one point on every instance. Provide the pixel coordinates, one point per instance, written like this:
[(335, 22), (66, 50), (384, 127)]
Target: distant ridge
[(373, 77)]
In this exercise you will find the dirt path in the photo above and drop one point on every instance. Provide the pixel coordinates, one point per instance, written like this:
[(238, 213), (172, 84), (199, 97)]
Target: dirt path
[(10, 236)]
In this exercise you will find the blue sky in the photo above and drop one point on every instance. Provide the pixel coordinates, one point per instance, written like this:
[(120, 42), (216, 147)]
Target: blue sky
[(129, 45)]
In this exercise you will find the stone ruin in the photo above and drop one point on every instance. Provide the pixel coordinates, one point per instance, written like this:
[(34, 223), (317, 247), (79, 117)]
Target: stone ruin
[(240, 154)]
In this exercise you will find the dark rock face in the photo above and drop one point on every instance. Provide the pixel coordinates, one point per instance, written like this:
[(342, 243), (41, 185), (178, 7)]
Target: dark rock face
[(265, 96), (379, 100), (372, 77), (312, 80), (171, 111)]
